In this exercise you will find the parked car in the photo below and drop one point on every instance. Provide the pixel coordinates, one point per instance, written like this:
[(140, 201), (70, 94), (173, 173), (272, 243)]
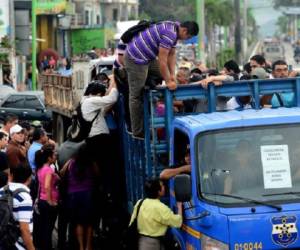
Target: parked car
[(28, 106), (5, 90)]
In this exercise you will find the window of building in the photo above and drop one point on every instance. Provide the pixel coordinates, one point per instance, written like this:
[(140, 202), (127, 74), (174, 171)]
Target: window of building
[(115, 14), (87, 17)]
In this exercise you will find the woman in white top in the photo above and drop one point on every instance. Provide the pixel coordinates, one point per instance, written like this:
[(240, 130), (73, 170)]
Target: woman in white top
[(95, 102)]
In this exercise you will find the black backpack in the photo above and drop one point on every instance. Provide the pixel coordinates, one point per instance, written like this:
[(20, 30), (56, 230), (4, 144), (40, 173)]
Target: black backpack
[(9, 227), (130, 237), (134, 30), (80, 128)]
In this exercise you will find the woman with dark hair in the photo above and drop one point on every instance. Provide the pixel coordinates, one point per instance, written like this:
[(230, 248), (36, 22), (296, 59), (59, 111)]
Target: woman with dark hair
[(94, 105), (65, 68), (80, 173), (7, 79), (48, 196)]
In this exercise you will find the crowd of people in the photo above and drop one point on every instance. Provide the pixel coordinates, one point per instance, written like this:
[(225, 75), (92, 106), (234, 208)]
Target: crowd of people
[(70, 192), (28, 161), (62, 66)]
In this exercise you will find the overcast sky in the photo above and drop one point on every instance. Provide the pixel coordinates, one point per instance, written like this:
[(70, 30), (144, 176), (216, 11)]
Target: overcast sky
[(265, 15)]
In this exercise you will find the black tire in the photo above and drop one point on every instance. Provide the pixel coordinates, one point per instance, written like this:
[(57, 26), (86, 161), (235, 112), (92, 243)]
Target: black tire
[(60, 127), (60, 131)]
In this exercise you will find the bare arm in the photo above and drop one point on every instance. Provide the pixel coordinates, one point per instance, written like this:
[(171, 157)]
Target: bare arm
[(62, 172), (217, 80), (121, 59), (26, 235), (179, 208), (168, 173), (48, 189), (172, 62), (228, 185), (163, 58), (112, 83)]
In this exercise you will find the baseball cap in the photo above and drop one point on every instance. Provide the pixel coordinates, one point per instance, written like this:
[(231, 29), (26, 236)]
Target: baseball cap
[(15, 129), (259, 73), (36, 124)]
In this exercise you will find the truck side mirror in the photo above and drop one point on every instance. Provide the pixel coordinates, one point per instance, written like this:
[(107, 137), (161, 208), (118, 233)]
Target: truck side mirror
[(183, 188)]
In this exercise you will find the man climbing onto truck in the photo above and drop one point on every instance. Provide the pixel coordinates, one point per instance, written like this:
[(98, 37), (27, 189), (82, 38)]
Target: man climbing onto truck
[(159, 40)]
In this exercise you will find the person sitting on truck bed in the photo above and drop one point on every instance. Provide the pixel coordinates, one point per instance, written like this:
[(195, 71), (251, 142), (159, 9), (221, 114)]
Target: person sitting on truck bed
[(258, 61), (182, 78), (280, 70), (154, 217), (65, 68), (228, 74)]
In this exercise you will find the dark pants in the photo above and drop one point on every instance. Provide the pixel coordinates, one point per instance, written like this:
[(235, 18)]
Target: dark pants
[(137, 76), (121, 79), (63, 222), (99, 148), (44, 225)]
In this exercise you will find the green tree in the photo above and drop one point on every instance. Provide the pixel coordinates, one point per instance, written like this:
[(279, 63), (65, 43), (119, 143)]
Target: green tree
[(282, 24), (217, 13), (158, 10), (1, 21)]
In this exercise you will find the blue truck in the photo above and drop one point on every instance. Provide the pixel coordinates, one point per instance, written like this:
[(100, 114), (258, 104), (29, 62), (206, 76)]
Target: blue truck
[(243, 191)]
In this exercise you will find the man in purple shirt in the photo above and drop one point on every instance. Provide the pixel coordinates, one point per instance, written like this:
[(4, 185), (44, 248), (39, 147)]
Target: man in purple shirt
[(157, 41)]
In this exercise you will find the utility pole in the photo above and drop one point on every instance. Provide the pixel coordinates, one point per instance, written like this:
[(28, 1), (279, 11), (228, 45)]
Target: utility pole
[(126, 10), (200, 6), (12, 51), (237, 34), (245, 29), (33, 53)]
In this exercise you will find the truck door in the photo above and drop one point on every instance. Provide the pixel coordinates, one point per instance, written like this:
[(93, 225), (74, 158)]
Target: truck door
[(187, 236)]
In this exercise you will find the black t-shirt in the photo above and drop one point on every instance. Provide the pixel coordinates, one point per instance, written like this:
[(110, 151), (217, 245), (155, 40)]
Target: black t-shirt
[(3, 161)]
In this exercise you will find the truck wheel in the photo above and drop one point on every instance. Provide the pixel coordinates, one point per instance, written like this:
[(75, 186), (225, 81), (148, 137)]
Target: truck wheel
[(60, 130)]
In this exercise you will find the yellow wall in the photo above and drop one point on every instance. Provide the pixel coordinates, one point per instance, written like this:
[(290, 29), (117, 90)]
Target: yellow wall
[(45, 31)]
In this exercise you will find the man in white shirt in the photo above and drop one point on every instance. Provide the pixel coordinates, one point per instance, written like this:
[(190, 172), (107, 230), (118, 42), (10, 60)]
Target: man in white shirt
[(20, 178)]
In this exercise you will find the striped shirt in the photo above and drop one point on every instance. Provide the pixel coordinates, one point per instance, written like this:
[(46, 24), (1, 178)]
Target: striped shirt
[(144, 47), (22, 209)]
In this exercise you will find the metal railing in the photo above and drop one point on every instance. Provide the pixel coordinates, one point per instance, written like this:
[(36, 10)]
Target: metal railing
[(143, 157)]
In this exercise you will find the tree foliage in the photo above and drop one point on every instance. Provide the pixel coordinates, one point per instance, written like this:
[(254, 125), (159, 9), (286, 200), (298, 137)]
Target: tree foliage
[(158, 10), (219, 12), (282, 24)]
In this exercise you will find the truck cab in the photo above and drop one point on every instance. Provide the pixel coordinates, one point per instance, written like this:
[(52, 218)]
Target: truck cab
[(243, 189), (244, 182)]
